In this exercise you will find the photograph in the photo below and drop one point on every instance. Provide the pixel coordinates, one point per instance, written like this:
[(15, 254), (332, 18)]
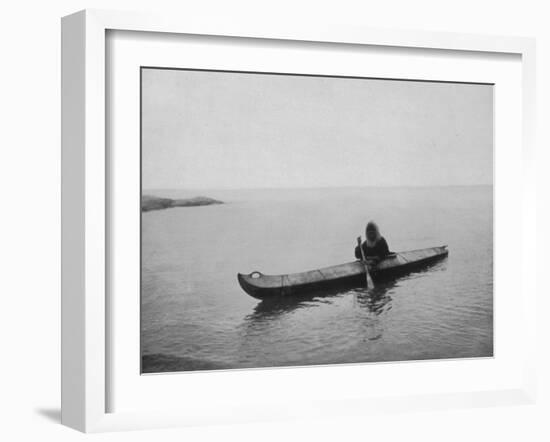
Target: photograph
[(292, 220)]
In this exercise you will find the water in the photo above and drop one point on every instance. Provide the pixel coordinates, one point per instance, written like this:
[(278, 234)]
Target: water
[(195, 315)]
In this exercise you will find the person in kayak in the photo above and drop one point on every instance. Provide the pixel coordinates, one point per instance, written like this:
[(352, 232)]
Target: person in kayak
[(375, 245)]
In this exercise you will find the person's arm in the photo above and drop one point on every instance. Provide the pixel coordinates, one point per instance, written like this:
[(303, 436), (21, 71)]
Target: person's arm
[(384, 249), (358, 252)]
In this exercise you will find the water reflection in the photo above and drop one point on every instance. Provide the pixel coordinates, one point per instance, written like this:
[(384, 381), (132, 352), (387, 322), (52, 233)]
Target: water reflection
[(372, 304), (374, 301)]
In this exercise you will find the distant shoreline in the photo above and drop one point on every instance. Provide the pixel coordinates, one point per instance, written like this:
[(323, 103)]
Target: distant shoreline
[(149, 202)]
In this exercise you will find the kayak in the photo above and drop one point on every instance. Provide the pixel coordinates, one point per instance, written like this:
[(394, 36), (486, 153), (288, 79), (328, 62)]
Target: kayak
[(351, 274)]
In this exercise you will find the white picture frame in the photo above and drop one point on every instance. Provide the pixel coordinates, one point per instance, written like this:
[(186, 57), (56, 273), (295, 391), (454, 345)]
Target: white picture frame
[(85, 308)]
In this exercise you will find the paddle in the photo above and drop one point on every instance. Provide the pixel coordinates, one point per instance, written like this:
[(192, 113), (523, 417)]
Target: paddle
[(364, 260)]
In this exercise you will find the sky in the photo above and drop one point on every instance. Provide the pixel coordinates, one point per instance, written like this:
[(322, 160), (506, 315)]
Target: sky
[(221, 130)]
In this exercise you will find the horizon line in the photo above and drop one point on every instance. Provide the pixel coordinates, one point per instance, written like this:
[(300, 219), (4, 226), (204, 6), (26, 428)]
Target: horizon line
[(419, 186)]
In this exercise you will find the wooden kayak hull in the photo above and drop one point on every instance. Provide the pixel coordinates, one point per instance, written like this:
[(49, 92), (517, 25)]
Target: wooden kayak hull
[(351, 274)]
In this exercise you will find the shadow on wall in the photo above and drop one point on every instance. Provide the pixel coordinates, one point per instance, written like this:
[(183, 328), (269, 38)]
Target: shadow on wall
[(51, 414)]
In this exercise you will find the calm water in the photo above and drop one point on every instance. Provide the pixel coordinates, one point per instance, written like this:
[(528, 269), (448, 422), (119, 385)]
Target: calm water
[(196, 316)]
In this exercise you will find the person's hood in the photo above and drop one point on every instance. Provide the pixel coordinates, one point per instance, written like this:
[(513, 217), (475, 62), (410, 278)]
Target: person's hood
[(371, 225)]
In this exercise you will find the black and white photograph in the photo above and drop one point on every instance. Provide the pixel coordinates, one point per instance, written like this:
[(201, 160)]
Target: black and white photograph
[(299, 220), (275, 221)]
